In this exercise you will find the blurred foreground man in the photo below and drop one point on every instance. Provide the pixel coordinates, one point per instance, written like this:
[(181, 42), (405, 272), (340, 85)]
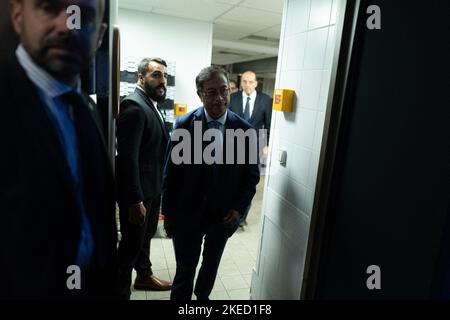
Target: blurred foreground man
[(57, 223), (207, 185)]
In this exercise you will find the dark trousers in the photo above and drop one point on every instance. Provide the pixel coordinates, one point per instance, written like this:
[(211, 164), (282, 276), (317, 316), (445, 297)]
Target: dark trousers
[(244, 216), (134, 247), (188, 245)]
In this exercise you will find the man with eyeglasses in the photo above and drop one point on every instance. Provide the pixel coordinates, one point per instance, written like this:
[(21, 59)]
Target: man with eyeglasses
[(203, 202), (141, 143)]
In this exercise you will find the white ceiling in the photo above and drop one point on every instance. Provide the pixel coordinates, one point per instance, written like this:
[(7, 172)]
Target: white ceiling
[(233, 20)]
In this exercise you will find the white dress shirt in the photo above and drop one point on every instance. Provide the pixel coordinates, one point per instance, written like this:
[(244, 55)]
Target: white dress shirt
[(251, 102)]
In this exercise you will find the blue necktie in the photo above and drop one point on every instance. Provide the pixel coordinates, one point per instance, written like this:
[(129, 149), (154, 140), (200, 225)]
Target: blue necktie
[(85, 128), (214, 125), (211, 172), (247, 109)]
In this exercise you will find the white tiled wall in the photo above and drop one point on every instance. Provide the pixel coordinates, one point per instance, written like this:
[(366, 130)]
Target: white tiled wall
[(306, 51)]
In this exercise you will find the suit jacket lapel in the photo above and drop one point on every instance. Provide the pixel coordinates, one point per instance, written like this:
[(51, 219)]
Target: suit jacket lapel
[(240, 110), (40, 127), (199, 115), (153, 110), (255, 107), (161, 123)]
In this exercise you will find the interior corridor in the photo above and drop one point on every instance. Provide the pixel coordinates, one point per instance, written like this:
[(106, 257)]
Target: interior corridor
[(238, 261)]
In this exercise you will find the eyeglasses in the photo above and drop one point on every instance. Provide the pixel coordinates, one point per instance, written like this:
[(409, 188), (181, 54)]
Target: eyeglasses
[(224, 92)]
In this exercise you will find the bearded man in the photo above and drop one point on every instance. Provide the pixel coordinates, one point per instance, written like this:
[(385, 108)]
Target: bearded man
[(141, 144)]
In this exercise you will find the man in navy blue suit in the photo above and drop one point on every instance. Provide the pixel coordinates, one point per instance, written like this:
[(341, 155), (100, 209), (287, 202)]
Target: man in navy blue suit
[(207, 185)]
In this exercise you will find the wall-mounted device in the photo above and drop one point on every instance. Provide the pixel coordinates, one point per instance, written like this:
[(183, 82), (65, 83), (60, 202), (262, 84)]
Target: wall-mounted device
[(283, 100), (180, 109), (282, 157)]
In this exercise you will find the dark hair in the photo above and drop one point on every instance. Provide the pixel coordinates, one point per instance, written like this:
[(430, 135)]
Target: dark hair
[(235, 83), (143, 65), (207, 74)]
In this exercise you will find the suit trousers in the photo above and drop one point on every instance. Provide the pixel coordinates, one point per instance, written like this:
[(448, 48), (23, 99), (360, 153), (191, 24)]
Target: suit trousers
[(188, 245), (134, 247)]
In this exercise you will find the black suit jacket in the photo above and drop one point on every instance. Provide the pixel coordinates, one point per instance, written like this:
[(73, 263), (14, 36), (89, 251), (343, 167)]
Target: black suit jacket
[(184, 192), (40, 221), (261, 116), (141, 144)]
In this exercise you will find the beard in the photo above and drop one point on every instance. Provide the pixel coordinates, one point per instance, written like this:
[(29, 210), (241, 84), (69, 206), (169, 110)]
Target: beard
[(64, 57), (153, 93)]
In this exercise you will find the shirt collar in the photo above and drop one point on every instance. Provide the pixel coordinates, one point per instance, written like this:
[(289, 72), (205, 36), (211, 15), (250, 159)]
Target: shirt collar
[(154, 103), (41, 78), (252, 96), (222, 119)]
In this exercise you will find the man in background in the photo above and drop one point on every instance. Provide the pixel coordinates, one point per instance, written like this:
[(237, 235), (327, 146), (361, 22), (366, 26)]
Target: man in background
[(252, 105), (233, 86), (57, 224), (141, 144), (256, 108)]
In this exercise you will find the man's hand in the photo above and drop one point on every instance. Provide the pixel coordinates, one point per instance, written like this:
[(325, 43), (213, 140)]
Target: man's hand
[(136, 214), (265, 152), (231, 218)]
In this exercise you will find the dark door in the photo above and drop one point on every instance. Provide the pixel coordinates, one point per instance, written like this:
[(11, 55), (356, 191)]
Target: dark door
[(386, 168), (7, 34)]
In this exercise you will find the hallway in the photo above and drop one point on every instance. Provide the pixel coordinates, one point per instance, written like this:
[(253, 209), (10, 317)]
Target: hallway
[(235, 271)]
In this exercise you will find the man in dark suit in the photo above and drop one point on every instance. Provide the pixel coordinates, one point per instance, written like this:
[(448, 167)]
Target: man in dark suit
[(141, 144), (57, 224), (206, 189), (256, 108)]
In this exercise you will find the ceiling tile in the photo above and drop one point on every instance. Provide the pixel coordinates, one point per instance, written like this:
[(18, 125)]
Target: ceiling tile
[(233, 20), (194, 9), (238, 26), (136, 5), (223, 59), (226, 35), (138, 2), (242, 53), (272, 32), (228, 1), (250, 16), (268, 5), (200, 16), (260, 42)]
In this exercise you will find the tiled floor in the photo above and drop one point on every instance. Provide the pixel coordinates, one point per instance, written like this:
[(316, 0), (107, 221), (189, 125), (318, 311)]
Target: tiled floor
[(238, 261)]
